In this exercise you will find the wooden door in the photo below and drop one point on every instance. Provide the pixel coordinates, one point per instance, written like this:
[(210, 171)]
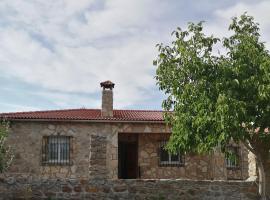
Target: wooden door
[(132, 161)]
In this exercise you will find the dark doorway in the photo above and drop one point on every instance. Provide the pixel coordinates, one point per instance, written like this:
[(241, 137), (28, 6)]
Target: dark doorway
[(127, 156)]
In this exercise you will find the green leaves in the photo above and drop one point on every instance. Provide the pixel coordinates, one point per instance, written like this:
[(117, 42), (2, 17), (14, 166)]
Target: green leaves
[(213, 95)]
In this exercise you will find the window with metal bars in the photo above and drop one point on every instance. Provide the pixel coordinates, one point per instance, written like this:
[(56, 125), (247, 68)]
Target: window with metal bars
[(56, 150), (232, 157), (168, 159)]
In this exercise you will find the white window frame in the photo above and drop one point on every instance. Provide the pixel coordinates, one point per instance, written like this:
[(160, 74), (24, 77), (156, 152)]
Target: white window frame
[(170, 162)]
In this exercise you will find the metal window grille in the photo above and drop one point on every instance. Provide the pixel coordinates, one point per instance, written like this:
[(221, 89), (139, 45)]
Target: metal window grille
[(232, 157), (168, 159), (56, 150)]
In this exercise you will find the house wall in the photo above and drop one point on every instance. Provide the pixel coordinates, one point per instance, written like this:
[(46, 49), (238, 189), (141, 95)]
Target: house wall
[(209, 166), (195, 167), (26, 140), (94, 152)]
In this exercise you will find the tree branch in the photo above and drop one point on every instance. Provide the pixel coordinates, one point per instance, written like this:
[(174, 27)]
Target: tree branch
[(249, 147)]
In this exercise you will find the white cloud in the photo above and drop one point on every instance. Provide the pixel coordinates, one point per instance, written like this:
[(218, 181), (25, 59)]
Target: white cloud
[(71, 46), (119, 17), (61, 100), (259, 10), (8, 107)]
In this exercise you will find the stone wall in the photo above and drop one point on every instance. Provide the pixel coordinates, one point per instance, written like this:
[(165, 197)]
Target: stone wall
[(209, 166), (11, 188), (195, 167), (94, 143), (26, 141), (97, 157), (252, 168)]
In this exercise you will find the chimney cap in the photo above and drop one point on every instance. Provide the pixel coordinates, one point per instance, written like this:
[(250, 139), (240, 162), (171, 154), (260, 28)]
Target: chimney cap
[(107, 85)]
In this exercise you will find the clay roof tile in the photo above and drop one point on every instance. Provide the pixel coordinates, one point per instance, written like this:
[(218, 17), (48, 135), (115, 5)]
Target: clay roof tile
[(86, 114)]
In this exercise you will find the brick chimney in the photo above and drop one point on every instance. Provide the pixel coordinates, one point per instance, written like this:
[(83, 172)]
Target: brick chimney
[(107, 99)]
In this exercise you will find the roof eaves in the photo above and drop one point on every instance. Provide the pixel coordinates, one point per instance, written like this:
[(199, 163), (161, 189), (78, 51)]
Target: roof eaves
[(89, 120)]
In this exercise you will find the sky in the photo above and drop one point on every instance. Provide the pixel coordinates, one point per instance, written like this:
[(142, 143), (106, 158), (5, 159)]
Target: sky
[(54, 53)]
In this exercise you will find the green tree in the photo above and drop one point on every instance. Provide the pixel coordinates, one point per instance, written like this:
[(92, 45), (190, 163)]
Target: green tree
[(6, 155), (217, 98)]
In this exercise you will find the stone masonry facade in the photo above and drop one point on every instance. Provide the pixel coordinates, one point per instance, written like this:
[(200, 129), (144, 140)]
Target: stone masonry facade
[(210, 166), (96, 144)]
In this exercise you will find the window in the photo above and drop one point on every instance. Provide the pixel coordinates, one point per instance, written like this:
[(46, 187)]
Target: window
[(168, 159), (56, 150), (232, 157)]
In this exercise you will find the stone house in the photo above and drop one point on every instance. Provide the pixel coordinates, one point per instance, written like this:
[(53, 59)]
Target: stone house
[(109, 144)]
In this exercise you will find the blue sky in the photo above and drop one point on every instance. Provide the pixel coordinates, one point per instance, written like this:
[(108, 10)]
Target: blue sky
[(54, 53)]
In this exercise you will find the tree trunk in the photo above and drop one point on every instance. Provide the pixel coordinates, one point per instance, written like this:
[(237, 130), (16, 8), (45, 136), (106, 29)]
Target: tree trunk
[(262, 178), (261, 152)]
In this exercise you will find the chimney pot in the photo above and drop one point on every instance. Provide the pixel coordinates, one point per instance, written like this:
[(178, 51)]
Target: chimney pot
[(107, 85)]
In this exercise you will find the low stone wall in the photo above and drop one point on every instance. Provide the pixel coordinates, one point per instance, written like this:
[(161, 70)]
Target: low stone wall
[(11, 188)]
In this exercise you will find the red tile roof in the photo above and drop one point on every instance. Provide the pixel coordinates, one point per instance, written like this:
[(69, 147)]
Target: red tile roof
[(86, 115)]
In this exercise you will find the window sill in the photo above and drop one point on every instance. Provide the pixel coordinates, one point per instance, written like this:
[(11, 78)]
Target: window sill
[(172, 165), (55, 163)]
